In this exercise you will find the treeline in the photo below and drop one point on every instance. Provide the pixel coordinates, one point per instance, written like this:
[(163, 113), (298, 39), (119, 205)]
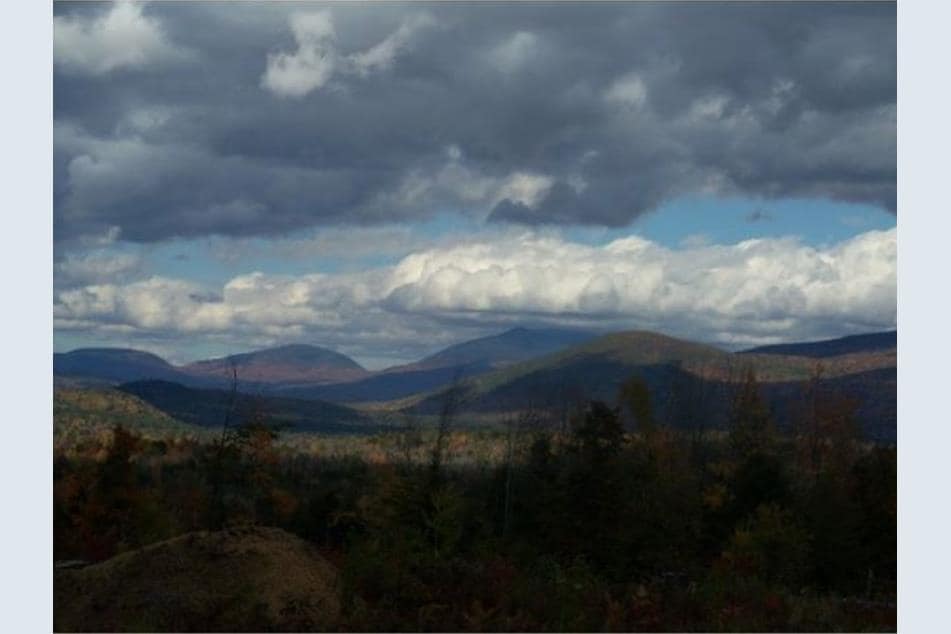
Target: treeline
[(587, 526)]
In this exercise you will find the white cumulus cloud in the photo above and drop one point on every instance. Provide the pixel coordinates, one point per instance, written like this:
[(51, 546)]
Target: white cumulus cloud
[(756, 290), (460, 185), (513, 53), (382, 55), (317, 58), (311, 65), (628, 90), (124, 37)]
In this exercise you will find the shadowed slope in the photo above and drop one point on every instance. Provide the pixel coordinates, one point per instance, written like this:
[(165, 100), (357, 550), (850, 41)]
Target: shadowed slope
[(210, 408), (872, 342)]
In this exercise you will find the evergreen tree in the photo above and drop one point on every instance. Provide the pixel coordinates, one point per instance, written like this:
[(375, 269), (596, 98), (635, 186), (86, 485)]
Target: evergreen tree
[(751, 426)]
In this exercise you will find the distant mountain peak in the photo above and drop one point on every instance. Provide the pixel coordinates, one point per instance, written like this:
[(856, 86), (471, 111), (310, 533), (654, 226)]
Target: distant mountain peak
[(113, 364), (113, 352), (296, 362)]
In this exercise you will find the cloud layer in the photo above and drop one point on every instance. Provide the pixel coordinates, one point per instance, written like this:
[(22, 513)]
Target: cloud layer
[(336, 137), (751, 292), (196, 119)]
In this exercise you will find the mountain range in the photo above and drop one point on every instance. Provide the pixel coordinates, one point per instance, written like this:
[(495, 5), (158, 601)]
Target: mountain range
[(871, 342), (308, 371), (459, 361), (519, 368), (688, 381)]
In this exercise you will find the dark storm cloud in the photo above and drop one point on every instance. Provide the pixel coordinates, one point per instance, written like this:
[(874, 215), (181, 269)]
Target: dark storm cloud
[(432, 107)]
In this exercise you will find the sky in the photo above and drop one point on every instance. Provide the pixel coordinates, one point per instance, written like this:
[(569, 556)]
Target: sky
[(388, 179)]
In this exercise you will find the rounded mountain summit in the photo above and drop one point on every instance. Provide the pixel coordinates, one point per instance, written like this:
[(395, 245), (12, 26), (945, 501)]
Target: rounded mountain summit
[(284, 364)]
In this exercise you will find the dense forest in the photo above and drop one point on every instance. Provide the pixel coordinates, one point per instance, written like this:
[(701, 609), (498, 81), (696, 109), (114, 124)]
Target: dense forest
[(602, 518)]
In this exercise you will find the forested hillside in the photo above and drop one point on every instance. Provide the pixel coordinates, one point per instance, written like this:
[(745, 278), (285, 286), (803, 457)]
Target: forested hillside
[(541, 524)]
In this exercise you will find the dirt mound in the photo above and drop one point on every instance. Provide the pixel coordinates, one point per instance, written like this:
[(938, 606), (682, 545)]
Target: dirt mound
[(240, 579)]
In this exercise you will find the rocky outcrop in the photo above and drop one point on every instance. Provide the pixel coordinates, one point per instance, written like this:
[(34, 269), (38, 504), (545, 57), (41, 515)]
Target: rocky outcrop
[(240, 579)]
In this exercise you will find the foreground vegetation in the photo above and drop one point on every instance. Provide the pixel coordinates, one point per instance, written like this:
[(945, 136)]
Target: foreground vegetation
[(578, 526)]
